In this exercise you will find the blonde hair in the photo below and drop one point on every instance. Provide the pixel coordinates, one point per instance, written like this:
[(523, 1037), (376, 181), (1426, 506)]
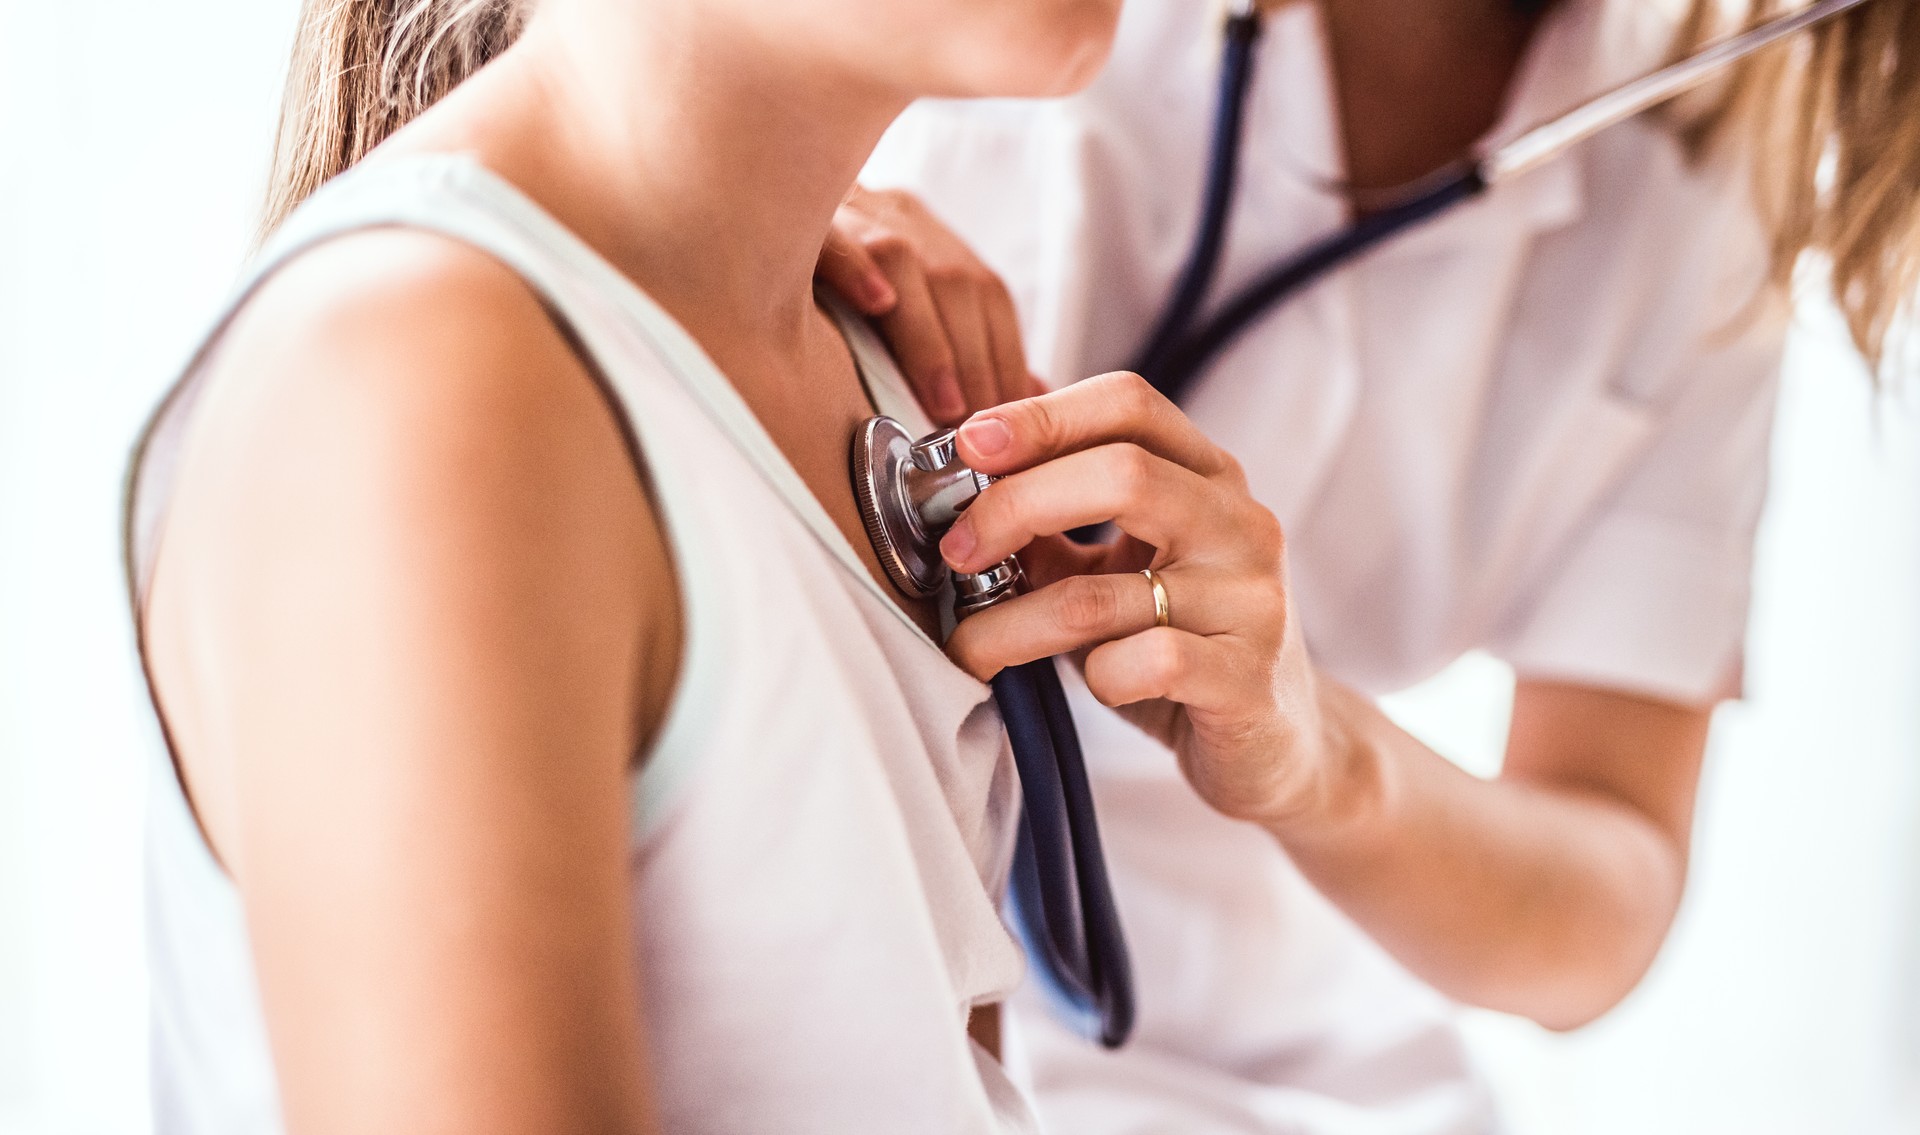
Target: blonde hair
[(1831, 121), (362, 69)]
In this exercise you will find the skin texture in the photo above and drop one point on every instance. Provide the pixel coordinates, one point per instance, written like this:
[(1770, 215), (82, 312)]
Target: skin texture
[(412, 622), (1546, 892)]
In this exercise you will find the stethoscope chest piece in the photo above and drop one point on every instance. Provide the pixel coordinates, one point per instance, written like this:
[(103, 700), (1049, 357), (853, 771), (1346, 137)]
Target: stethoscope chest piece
[(910, 492)]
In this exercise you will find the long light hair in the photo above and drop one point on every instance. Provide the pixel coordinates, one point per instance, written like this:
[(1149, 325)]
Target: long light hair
[(362, 69), (1831, 121)]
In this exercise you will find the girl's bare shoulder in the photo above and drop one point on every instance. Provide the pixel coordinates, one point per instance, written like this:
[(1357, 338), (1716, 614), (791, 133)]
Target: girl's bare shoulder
[(417, 361), (399, 410)]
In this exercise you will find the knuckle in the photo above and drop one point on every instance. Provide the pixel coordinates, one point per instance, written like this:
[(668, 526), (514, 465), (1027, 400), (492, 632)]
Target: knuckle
[(1107, 680), (1268, 537), (980, 280), (887, 245), (1232, 470), (1088, 606), (1103, 689), (1268, 606), (1273, 537), (1040, 423), (1130, 468), (952, 279), (1161, 658), (889, 200), (1136, 395), (1128, 397)]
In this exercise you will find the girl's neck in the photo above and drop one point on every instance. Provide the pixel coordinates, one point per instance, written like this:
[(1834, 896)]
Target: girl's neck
[(704, 164)]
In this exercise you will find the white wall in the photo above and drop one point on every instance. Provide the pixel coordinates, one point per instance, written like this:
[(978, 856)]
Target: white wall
[(133, 139), (133, 144)]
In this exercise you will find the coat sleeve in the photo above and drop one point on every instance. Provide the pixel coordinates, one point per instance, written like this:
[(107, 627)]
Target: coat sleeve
[(1651, 595)]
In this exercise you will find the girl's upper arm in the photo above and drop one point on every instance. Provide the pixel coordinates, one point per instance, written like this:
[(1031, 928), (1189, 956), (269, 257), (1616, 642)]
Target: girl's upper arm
[(402, 629)]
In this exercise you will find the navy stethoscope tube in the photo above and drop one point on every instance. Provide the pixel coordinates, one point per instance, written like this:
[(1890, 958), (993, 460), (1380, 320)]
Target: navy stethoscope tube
[(1179, 349), (1060, 897), (1223, 169)]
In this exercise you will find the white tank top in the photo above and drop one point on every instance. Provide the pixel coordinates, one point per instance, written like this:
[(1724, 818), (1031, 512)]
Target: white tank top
[(824, 823)]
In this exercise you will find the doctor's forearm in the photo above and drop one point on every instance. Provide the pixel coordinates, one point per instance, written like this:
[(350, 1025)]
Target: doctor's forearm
[(1542, 900)]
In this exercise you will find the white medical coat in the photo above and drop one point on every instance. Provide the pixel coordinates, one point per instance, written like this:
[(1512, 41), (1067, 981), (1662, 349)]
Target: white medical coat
[(1537, 426)]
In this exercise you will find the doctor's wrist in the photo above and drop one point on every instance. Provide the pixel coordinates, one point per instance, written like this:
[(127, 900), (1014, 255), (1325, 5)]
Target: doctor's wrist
[(1349, 795)]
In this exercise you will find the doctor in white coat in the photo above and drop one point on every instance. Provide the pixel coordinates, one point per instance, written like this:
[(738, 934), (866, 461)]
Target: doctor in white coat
[(1537, 427)]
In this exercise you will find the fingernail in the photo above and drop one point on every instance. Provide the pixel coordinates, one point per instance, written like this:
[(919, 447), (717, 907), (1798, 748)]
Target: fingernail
[(987, 436), (879, 291), (958, 543)]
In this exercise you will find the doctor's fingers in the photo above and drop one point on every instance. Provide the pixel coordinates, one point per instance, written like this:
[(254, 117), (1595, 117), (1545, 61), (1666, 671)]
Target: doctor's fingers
[(964, 317), (1181, 514), (982, 329), (847, 267), (918, 336), (1106, 408), (1009, 347), (970, 310), (1211, 675), (1087, 610)]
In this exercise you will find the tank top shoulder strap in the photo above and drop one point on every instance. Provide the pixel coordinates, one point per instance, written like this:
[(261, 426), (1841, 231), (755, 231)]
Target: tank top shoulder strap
[(661, 383), (454, 195)]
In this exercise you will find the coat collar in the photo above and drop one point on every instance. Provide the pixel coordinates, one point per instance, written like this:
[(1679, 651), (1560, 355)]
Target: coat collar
[(1584, 47)]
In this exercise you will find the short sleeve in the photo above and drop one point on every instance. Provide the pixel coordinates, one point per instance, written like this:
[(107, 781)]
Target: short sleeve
[(1652, 594)]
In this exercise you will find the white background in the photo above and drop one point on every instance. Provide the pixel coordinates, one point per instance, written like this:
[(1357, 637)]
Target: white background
[(133, 140)]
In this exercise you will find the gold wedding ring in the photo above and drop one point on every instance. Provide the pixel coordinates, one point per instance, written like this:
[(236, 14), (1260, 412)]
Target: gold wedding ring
[(1162, 610)]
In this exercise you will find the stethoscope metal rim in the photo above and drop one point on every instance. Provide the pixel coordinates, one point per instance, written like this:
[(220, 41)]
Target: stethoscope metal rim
[(882, 454)]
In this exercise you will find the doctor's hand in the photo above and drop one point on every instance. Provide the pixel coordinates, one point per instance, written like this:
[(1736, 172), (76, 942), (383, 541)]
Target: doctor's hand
[(945, 314), (1227, 683)]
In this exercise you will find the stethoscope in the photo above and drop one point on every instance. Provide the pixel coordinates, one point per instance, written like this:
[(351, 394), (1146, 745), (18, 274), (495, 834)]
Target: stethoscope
[(1182, 343), (911, 491)]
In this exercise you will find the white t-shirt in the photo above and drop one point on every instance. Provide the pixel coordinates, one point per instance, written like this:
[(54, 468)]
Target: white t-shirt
[(1537, 426)]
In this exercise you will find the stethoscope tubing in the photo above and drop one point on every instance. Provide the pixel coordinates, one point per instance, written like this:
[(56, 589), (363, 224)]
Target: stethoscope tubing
[(1071, 929), (1179, 349), (1180, 364), (1223, 170)]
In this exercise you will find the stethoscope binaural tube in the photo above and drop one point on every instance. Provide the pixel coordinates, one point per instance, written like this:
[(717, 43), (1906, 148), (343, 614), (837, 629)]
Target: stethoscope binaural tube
[(1182, 344), (1060, 898)]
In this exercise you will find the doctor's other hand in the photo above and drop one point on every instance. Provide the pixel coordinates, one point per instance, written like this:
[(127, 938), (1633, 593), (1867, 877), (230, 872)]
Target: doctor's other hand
[(945, 314), (1227, 683)]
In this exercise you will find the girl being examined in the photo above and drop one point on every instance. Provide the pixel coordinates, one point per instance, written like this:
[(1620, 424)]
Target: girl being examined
[(546, 753)]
